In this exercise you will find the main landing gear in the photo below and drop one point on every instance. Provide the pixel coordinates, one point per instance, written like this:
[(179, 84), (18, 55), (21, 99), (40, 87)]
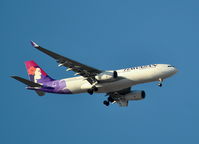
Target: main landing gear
[(160, 82), (108, 101), (92, 90)]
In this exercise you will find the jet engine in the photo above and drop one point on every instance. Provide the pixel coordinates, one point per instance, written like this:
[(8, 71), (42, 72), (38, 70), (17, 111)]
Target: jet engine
[(107, 76), (135, 95)]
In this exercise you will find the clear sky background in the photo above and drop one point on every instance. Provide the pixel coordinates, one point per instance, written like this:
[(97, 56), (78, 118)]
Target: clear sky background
[(105, 34)]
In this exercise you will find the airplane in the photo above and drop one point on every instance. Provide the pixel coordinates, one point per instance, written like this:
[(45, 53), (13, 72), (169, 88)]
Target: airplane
[(115, 83)]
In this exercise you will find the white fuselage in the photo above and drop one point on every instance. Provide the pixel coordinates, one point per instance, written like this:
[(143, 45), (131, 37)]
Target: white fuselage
[(126, 78)]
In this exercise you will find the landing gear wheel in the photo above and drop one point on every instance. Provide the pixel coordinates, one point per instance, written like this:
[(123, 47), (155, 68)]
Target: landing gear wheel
[(90, 91), (95, 88), (106, 103), (160, 82)]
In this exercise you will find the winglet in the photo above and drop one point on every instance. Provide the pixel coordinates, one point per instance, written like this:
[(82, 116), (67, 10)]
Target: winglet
[(34, 44)]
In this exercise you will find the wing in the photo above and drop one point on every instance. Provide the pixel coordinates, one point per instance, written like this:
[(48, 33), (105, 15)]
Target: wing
[(118, 96), (79, 68)]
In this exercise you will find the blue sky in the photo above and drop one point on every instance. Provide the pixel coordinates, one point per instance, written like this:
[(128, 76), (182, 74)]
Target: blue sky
[(105, 34)]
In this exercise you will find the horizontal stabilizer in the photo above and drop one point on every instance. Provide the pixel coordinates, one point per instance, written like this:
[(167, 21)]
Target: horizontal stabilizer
[(27, 82)]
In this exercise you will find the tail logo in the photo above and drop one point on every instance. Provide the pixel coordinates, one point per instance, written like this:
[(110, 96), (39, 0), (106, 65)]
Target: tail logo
[(35, 73)]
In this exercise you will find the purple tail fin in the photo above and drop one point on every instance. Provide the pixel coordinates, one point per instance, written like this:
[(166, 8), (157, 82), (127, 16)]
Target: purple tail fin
[(36, 74)]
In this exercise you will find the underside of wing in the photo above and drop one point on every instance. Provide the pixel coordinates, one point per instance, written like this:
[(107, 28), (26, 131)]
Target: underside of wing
[(79, 68), (119, 97)]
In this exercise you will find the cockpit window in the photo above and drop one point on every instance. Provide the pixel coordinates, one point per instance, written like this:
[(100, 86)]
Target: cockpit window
[(170, 66)]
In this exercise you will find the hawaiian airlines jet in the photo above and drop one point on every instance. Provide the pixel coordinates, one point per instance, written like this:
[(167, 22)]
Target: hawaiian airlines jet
[(115, 83)]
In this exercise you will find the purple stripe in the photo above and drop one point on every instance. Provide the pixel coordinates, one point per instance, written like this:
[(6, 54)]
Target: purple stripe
[(57, 86)]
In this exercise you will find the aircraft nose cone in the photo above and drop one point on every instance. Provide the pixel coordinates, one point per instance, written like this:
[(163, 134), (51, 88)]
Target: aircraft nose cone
[(176, 70)]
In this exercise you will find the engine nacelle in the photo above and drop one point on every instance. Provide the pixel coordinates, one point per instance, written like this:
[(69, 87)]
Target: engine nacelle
[(135, 95), (106, 76)]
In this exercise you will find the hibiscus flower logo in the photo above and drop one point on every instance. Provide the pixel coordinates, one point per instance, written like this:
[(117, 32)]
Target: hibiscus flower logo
[(31, 70)]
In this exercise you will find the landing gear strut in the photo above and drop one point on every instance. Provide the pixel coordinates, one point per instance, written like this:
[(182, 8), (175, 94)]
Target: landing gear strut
[(160, 82), (90, 91), (110, 99)]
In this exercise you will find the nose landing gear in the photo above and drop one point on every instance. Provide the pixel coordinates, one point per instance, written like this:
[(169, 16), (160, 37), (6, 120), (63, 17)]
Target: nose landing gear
[(160, 82)]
